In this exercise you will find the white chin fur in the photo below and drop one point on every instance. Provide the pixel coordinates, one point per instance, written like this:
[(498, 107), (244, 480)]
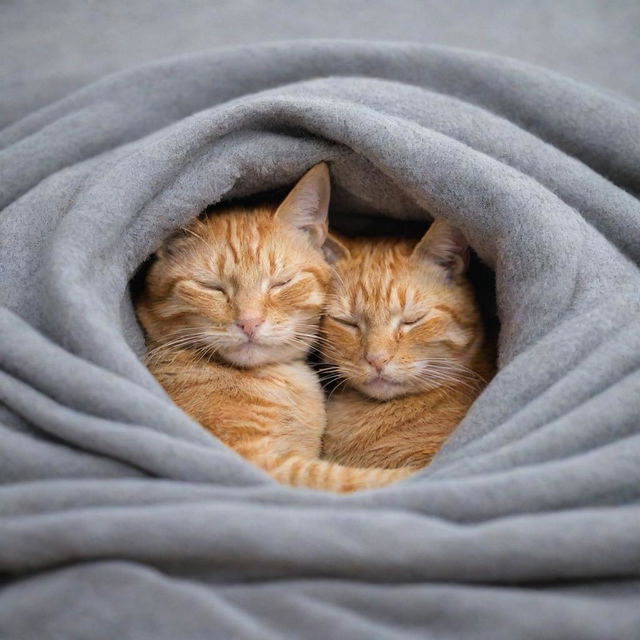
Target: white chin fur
[(381, 390), (254, 355)]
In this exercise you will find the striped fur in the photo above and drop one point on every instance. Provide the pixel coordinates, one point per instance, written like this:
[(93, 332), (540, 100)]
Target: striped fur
[(262, 268), (403, 339)]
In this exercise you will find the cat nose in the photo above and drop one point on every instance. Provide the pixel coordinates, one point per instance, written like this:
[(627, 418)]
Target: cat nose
[(377, 360), (249, 325)]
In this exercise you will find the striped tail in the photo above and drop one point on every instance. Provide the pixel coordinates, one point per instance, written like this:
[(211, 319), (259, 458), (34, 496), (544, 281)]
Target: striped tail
[(298, 471)]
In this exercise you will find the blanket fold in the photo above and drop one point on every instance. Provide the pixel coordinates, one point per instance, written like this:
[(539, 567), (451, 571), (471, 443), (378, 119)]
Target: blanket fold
[(122, 517)]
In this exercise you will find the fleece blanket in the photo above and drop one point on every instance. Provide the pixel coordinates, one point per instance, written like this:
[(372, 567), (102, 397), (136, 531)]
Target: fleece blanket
[(122, 518)]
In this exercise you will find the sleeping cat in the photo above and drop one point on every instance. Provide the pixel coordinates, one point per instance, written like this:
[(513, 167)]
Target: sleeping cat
[(230, 307), (404, 335)]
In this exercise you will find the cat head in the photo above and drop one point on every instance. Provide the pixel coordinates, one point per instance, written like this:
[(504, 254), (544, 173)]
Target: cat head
[(244, 286), (401, 317)]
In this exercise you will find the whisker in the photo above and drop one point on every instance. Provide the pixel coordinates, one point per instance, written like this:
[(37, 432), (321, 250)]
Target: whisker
[(344, 382)]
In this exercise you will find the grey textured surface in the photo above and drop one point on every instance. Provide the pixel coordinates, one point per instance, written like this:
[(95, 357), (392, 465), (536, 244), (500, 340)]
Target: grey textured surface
[(122, 518), (46, 48)]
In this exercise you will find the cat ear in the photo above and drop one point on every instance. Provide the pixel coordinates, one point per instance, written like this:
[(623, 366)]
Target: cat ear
[(172, 245), (334, 250), (307, 205), (444, 246)]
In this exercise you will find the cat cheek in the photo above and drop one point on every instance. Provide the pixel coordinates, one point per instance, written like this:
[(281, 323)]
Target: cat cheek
[(282, 321), (347, 353), (219, 309)]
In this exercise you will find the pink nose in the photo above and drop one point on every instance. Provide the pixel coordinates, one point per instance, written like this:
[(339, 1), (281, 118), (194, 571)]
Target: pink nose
[(377, 360), (249, 325)]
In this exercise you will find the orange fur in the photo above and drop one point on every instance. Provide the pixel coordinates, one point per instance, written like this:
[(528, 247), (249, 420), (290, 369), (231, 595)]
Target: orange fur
[(230, 308), (403, 335)]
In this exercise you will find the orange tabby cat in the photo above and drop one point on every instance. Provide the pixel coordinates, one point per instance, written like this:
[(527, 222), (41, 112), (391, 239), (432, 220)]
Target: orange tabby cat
[(230, 308), (403, 333)]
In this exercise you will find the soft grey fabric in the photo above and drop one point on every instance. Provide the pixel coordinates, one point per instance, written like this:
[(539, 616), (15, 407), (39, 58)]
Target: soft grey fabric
[(45, 47), (121, 518)]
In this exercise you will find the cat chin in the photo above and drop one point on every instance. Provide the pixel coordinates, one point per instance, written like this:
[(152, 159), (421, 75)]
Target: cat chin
[(250, 355), (382, 389)]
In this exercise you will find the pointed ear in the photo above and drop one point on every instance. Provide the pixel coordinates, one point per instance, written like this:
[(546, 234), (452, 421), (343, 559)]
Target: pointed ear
[(444, 246), (307, 205), (171, 246), (334, 250)]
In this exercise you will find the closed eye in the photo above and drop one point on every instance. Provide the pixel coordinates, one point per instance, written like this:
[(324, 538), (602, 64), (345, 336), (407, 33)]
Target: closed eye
[(345, 321), (212, 286), (281, 283), (412, 321)]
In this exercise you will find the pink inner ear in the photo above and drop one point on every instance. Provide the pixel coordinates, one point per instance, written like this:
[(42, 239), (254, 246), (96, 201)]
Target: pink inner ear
[(447, 262), (334, 250), (445, 246), (307, 203)]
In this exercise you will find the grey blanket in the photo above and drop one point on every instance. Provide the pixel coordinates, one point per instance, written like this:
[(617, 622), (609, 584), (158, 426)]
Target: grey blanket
[(122, 518)]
